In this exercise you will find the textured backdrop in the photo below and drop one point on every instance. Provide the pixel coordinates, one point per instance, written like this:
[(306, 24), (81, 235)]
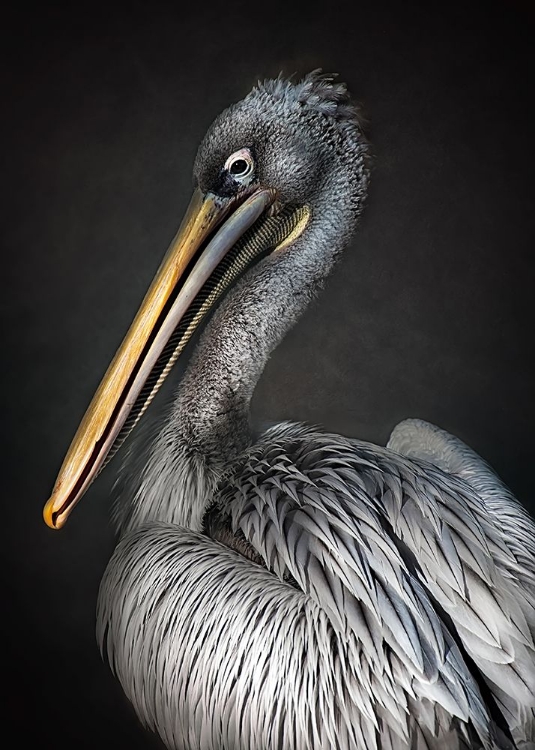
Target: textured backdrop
[(428, 315)]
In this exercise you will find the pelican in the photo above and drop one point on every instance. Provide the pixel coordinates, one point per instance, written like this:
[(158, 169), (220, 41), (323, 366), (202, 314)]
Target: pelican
[(294, 589)]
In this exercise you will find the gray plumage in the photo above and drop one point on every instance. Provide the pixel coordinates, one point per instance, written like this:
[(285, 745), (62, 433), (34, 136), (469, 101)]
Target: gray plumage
[(300, 590)]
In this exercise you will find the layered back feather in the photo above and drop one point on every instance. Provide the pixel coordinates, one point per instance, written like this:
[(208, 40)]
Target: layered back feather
[(382, 609)]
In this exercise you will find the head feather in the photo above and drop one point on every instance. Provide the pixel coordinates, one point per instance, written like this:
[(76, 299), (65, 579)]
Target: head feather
[(318, 92)]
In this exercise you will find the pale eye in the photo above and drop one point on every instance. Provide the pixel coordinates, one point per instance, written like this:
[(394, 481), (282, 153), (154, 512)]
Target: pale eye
[(240, 165)]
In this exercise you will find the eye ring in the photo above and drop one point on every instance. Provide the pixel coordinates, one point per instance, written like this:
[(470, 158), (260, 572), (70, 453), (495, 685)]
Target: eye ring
[(240, 164), (239, 167)]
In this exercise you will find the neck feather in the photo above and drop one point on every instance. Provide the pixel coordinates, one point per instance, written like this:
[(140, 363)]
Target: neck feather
[(209, 421), (212, 408)]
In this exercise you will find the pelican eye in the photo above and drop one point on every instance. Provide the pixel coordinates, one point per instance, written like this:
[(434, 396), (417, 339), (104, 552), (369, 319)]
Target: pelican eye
[(240, 165)]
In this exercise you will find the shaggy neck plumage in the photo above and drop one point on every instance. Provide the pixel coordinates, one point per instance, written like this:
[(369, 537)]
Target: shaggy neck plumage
[(209, 421), (212, 408)]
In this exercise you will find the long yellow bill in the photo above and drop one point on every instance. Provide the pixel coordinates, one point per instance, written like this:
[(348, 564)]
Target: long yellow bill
[(201, 243)]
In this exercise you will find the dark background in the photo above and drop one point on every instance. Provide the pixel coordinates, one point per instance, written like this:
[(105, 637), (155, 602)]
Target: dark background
[(429, 313)]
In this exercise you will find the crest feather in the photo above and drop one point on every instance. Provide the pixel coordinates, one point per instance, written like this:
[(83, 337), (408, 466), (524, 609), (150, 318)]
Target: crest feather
[(318, 92)]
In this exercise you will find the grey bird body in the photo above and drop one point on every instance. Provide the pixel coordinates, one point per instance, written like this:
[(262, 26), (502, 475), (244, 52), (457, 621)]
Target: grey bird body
[(378, 575), (301, 590)]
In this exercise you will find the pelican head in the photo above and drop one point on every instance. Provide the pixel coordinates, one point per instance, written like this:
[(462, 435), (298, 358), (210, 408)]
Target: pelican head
[(288, 158)]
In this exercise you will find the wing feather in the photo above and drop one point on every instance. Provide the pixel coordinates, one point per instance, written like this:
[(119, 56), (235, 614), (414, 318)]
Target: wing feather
[(405, 559)]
